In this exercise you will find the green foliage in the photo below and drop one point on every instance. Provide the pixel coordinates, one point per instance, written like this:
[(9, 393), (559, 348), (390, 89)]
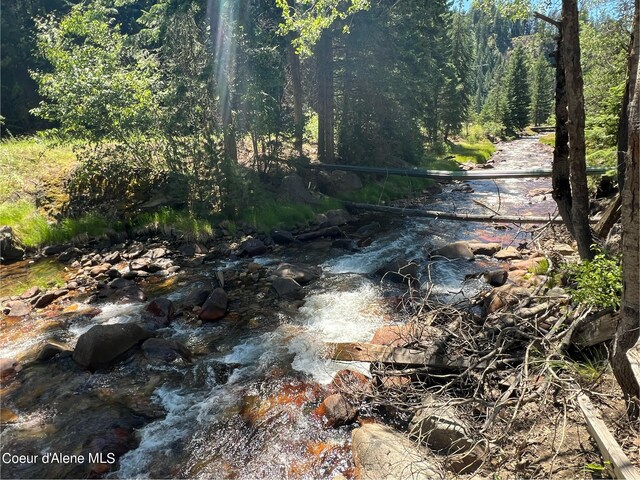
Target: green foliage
[(549, 139), (168, 219), (540, 268), (517, 91), (97, 86), (542, 91), (597, 282), (387, 189)]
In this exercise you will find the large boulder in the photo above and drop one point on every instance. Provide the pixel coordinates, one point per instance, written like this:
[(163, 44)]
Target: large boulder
[(338, 182), (301, 273), (437, 425), (215, 307), (293, 189), (252, 247), (482, 248), (282, 237), (334, 218), (287, 288), (399, 270), (102, 345), (454, 251), (381, 453), (196, 297), (10, 251)]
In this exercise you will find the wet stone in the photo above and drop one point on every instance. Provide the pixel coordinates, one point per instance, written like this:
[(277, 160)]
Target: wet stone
[(18, 308)]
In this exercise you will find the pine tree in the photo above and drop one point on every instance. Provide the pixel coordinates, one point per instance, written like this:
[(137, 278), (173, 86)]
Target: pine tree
[(517, 89), (542, 95)]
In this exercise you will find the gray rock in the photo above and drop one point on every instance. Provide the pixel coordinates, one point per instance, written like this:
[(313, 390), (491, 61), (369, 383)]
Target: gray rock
[(102, 345), (10, 251), (508, 253), (399, 270), (69, 254), (215, 307), (453, 251), (196, 298), (301, 273), (496, 278), (51, 250), (287, 288), (282, 237), (381, 453), (480, 248), (368, 230), (163, 350), (18, 308), (330, 232), (252, 247), (44, 300), (52, 348), (158, 313), (293, 189)]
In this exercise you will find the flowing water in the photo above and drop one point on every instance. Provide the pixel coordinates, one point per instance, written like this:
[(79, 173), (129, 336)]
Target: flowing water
[(245, 407)]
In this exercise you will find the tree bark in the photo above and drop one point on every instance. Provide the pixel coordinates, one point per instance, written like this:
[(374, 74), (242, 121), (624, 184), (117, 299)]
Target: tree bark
[(324, 60), (575, 128), (560, 168), (626, 353), (296, 81)]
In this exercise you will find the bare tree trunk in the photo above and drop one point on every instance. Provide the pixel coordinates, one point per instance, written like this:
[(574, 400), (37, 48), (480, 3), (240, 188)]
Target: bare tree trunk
[(560, 168), (324, 59), (626, 354), (296, 80), (575, 127)]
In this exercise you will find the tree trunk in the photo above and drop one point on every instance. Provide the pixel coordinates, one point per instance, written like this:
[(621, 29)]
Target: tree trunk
[(575, 128), (324, 60), (296, 81), (626, 353), (560, 168)]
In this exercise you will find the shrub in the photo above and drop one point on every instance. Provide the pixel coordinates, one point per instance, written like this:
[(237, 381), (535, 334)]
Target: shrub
[(597, 282)]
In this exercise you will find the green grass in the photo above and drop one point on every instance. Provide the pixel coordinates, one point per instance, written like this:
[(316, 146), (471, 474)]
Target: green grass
[(271, 214), (32, 229), (478, 152), (548, 139), (27, 164), (391, 188), (168, 219)]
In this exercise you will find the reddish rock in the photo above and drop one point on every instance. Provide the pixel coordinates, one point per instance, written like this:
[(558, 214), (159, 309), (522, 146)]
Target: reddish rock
[(44, 300), (503, 296), (508, 253), (338, 411), (32, 292), (528, 264), (18, 308), (9, 367), (393, 335), (347, 380), (99, 269), (215, 307)]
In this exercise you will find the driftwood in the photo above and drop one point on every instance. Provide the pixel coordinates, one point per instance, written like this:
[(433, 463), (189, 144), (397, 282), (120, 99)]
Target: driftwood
[(450, 175), (595, 328), (469, 217), (610, 216), (369, 352), (609, 448)]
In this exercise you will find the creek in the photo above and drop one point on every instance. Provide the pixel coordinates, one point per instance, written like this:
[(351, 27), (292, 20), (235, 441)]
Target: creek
[(245, 407)]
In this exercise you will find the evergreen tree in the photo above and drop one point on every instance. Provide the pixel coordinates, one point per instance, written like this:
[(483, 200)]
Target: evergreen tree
[(517, 91), (542, 96)]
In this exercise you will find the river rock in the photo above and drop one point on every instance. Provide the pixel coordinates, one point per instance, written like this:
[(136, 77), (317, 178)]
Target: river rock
[(215, 307), (351, 384), (99, 269), (158, 313), (165, 350), (287, 288), (10, 251), (303, 274), (121, 282), (156, 253), (346, 244), (338, 182), (252, 247), (69, 254), (338, 411), (32, 292), (282, 237), (329, 232), (454, 251), (481, 248), (496, 278), (9, 367), (369, 229), (52, 348), (381, 453), (335, 218), (505, 295), (293, 190), (44, 300), (103, 344), (508, 253), (196, 298), (399, 270), (18, 308), (563, 249), (51, 250), (438, 426)]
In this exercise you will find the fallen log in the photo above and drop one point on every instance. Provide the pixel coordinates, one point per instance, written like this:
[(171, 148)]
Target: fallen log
[(610, 216), (609, 448), (468, 217), (596, 328), (369, 352)]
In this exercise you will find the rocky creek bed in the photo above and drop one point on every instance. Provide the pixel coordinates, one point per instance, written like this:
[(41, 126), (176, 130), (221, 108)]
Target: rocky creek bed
[(175, 358)]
